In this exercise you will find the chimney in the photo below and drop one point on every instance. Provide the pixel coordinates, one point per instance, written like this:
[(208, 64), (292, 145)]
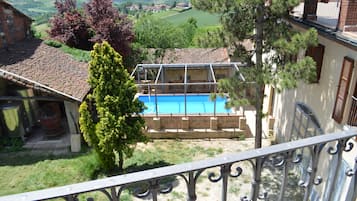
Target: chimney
[(347, 20), (310, 8)]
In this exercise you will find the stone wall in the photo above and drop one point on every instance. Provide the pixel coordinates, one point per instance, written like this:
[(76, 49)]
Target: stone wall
[(194, 122)]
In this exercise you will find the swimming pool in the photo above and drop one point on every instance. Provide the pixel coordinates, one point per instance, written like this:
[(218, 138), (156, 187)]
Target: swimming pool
[(175, 104)]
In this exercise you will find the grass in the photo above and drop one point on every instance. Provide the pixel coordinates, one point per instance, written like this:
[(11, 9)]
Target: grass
[(203, 18), (165, 14), (77, 54), (41, 30), (167, 153), (24, 172)]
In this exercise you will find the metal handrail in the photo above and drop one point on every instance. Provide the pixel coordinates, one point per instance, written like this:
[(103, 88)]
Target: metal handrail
[(193, 170)]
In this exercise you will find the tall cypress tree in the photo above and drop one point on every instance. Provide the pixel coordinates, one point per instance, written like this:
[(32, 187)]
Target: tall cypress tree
[(109, 118), (265, 24)]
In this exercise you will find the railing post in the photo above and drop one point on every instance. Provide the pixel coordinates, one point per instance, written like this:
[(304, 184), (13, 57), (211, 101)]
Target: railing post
[(284, 181), (114, 194), (191, 187), (154, 188), (341, 146), (225, 170), (315, 156), (70, 198), (257, 178)]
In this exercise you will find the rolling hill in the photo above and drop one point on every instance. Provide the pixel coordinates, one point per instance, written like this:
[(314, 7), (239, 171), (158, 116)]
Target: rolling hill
[(34, 8), (203, 18)]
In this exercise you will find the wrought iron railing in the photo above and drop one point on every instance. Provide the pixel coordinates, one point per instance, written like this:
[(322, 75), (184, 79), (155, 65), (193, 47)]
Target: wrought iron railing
[(352, 118), (303, 156)]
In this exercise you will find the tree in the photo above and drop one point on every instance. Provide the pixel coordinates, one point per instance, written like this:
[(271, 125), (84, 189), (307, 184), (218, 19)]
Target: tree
[(189, 30), (110, 116), (151, 32), (264, 23), (173, 5), (209, 37), (109, 25), (69, 25)]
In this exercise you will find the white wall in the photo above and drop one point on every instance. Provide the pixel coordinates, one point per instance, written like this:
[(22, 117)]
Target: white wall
[(321, 96)]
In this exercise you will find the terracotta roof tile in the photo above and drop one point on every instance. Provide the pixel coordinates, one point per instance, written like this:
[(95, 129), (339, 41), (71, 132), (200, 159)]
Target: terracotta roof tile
[(192, 55), (32, 61)]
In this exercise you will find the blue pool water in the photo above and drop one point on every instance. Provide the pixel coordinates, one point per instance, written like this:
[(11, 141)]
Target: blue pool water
[(175, 104)]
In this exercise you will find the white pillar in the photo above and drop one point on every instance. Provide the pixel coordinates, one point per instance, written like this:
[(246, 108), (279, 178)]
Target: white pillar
[(72, 115)]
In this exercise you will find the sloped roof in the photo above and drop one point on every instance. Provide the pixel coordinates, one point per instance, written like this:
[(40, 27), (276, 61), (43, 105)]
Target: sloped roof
[(37, 65), (16, 10), (190, 55)]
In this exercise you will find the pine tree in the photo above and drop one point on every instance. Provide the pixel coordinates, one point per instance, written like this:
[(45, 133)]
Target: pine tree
[(265, 24), (110, 117)]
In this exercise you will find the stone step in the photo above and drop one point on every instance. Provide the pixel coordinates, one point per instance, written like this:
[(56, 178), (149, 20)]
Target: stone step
[(47, 144)]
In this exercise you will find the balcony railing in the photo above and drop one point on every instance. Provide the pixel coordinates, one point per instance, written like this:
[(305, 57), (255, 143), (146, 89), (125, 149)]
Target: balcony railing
[(306, 156), (352, 118)]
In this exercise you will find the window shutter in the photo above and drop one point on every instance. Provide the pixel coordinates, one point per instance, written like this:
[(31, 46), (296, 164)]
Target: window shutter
[(317, 54), (342, 89)]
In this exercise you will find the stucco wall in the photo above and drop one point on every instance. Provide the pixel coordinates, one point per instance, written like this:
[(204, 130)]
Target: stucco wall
[(320, 96), (321, 99)]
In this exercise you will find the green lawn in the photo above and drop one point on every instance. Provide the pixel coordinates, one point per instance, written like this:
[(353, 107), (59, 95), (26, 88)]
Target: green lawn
[(203, 18), (165, 14), (77, 54), (27, 173), (42, 30), (23, 172)]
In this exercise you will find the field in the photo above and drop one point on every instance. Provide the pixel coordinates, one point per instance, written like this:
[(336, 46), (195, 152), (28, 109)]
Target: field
[(203, 18), (35, 8), (168, 2)]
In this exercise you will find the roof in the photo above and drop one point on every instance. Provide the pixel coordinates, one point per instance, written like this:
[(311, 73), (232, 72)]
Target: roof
[(191, 55), (37, 65), (18, 11)]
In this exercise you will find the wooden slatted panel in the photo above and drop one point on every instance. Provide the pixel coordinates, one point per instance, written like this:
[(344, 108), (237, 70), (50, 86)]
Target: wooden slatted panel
[(342, 90), (317, 54)]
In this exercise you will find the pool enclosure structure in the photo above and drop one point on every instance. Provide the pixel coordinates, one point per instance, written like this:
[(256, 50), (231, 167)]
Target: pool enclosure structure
[(182, 78), (178, 96)]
